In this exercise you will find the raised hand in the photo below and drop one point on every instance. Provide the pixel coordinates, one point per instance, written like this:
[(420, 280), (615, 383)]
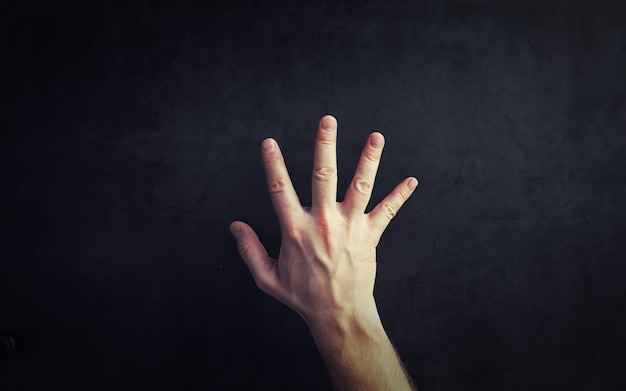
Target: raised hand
[(327, 260)]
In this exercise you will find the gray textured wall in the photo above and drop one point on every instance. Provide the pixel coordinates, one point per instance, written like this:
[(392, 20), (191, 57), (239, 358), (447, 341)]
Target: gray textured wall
[(133, 140)]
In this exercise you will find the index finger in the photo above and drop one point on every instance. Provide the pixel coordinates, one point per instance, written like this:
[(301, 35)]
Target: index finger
[(284, 197)]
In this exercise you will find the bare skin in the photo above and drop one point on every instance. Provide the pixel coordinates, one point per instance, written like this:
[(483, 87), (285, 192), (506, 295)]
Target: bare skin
[(327, 263)]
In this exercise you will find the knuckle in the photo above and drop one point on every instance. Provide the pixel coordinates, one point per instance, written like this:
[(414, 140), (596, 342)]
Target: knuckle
[(402, 197), (327, 142), (277, 185), (370, 157), (375, 240), (272, 159), (325, 229), (389, 209), (261, 284), (373, 235), (294, 233), (363, 185), (324, 173), (244, 248)]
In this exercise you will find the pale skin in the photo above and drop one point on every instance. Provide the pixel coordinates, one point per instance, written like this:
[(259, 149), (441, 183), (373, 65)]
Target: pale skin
[(327, 263)]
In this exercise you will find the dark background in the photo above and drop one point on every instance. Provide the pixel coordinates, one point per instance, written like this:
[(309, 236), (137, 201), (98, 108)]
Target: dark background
[(131, 136)]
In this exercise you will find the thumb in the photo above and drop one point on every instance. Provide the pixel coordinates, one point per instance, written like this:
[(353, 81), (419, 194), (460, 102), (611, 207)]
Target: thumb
[(254, 254)]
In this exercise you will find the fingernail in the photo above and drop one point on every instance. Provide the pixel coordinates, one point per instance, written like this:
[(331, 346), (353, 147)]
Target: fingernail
[(269, 146), (328, 124), (376, 142), (412, 184)]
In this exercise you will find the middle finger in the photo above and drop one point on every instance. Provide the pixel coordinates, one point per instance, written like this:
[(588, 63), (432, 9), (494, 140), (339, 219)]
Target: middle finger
[(324, 187)]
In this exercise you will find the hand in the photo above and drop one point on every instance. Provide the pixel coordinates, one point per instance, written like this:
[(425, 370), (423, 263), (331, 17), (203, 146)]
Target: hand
[(327, 260)]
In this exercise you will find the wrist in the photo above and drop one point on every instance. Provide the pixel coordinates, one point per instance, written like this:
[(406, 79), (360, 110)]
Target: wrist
[(361, 322), (356, 350)]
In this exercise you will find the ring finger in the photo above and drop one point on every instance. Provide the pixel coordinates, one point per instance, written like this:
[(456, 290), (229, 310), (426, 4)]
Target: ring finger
[(360, 190)]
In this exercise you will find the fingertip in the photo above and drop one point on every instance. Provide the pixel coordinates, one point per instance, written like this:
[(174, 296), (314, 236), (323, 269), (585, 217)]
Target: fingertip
[(330, 117), (377, 140), (236, 229), (328, 122), (269, 145)]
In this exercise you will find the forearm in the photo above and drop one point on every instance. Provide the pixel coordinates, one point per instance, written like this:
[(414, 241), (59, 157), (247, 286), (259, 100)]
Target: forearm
[(358, 353)]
